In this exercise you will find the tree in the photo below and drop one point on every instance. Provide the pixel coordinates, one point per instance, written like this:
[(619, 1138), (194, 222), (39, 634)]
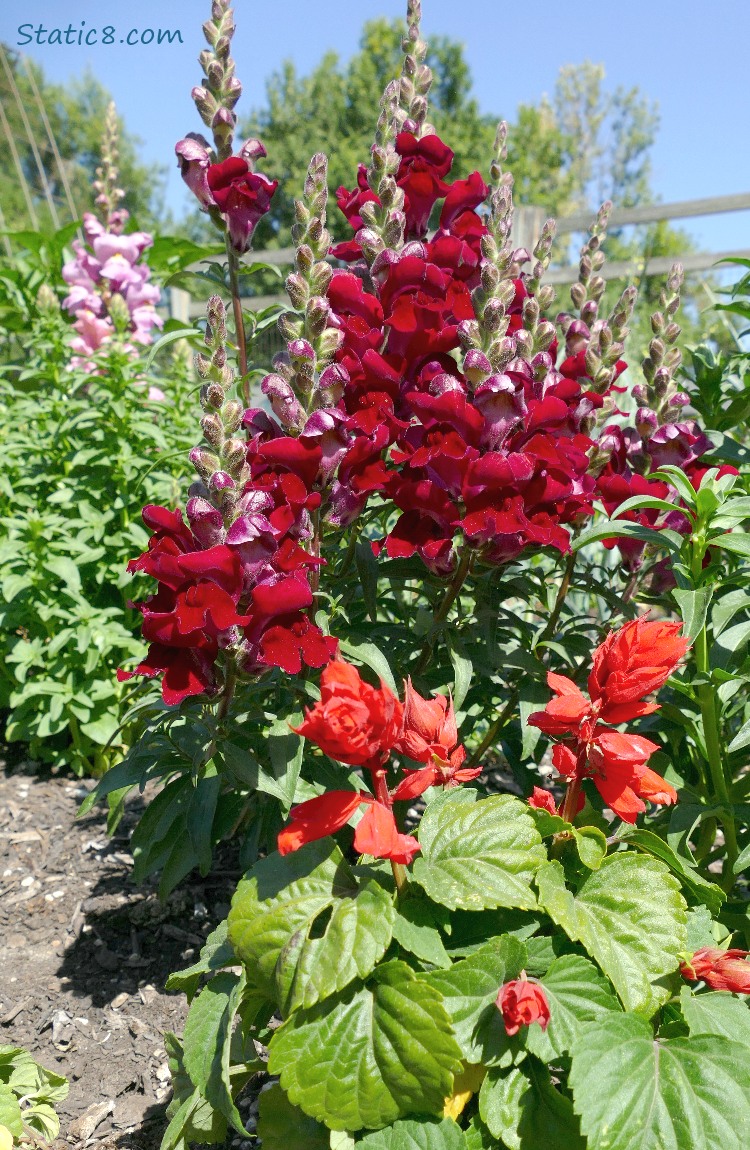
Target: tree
[(50, 138)]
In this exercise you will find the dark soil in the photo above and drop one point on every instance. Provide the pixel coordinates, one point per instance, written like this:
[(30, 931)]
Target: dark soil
[(84, 956)]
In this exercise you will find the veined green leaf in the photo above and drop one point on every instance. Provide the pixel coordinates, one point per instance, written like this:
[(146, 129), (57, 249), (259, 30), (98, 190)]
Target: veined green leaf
[(478, 854), (631, 918), (369, 1055), (633, 1092)]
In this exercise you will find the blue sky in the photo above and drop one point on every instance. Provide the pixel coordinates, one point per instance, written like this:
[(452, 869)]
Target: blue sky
[(690, 56)]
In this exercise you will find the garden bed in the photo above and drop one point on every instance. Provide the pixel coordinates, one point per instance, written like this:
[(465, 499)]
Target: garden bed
[(85, 955)]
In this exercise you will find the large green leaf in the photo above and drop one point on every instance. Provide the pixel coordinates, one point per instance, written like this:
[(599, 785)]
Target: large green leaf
[(631, 918), (469, 989), (282, 1126), (370, 1055), (700, 888), (478, 854), (272, 924), (717, 1012), (416, 1134), (636, 1093), (523, 1109), (206, 1042), (576, 993)]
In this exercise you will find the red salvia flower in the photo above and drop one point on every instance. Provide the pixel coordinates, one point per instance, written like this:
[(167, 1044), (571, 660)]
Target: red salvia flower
[(376, 833), (522, 1002), (630, 663), (719, 969), (353, 722)]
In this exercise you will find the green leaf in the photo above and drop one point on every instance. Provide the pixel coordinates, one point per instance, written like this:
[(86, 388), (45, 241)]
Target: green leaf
[(478, 854), (592, 846), (272, 924), (167, 339), (366, 652), (370, 1055), (741, 739), (282, 1126), (700, 888), (416, 1134), (736, 542), (577, 993), (636, 1093), (630, 917), (206, 1042), (66, 570), (716, 1012), (693, 606), (523, 1109), (216, 953), (462, 672), (415, 929), (368, 571), (285, 750), (622, 529), (10, 1111), (469, 989)]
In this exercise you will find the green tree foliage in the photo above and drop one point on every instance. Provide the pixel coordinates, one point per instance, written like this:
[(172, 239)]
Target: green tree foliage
[(50, 138)]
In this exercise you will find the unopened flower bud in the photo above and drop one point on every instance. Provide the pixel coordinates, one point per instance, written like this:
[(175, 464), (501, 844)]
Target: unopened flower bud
[(232, 415), (46, 300), (204, 462), (290, 326), (213, 429), (233, 453), (318, 311), (221, 481), (646, 422), (329, 342), (578, 294), (476, 366), (213, 396), (297, 290)]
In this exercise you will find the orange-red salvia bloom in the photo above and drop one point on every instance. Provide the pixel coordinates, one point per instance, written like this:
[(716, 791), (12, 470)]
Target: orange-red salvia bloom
[(633, 662), (376, 833), (522, 1002), (353, 722), (430, 735), (719, 969), (629, 663)]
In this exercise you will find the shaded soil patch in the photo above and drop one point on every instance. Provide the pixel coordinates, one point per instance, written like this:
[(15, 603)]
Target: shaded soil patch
[(84, 956)]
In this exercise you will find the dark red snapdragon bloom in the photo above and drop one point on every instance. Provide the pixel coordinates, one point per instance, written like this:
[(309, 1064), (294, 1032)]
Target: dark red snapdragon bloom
[(521, 1003)]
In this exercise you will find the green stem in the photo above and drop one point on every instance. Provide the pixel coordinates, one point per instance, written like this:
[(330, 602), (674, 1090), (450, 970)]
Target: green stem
[(382, 795), (441, 614), (494, 730), (239, 322), (711, 733), (560, 600)]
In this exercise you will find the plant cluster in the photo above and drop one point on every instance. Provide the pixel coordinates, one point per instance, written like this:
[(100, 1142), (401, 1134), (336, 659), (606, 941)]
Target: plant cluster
[(503, 904)]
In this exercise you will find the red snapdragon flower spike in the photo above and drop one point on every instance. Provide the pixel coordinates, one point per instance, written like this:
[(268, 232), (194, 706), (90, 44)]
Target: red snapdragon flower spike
[(353, 722), (719, 969), (522, 1002)]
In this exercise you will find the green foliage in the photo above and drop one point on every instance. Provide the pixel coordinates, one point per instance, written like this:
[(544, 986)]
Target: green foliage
[(82, 453), (666, 1094), (28, 1095)]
